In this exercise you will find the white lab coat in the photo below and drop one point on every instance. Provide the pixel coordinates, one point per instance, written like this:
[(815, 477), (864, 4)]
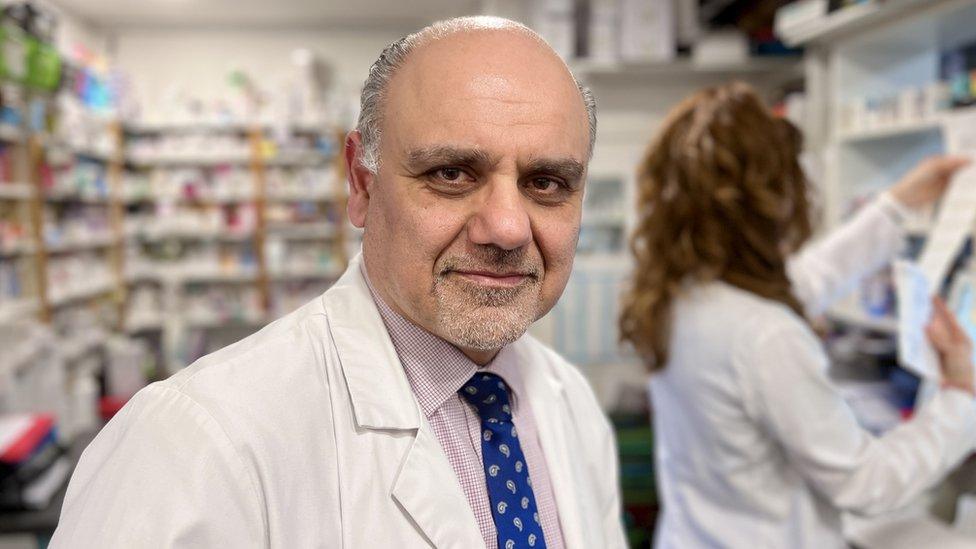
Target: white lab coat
[(307, 434), (755, 447)]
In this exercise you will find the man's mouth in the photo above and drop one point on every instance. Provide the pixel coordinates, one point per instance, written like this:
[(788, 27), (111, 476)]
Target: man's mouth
[(507, 279)]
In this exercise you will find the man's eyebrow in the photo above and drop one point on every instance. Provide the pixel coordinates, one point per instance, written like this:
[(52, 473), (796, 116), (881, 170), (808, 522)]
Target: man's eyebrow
[(567, 168), (441, 155)]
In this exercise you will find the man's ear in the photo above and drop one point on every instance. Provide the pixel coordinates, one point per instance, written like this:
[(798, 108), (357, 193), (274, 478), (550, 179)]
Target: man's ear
[(360, 180)]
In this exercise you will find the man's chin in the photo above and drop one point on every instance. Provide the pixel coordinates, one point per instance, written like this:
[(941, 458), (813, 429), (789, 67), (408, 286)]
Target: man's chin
[(485, 327)]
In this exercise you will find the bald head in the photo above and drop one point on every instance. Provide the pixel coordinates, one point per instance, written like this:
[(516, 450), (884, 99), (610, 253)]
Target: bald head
[(475, 52)]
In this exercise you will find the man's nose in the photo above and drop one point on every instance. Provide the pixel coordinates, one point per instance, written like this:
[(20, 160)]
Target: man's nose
[(501, 220)]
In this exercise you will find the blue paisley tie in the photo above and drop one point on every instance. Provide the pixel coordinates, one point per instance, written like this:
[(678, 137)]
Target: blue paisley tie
[(509, 487)]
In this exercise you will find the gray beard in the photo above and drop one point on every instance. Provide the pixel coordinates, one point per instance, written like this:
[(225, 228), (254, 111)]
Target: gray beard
[(484, 319)]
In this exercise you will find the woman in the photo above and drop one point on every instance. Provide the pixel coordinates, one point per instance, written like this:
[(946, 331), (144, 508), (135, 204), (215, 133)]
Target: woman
[(755, 447)]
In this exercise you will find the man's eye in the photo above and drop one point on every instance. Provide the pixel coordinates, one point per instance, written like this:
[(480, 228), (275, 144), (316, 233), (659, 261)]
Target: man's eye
[(544, 184), (449, 174)]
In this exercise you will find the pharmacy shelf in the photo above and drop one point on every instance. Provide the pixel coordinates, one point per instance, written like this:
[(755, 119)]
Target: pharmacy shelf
[(60, 153), (604, 220), (302, 231), (196, 276), (179, 274), (90, 242), (11, 134), (74, 196), (889, 131), (683, 67), (223, 321), (857, 318), (15, 191), (243, 158), (16, 310), (323, 195), (144, 324), (22, 353), (855, 20), (99, 287), (190, 159), (197, 201), (190, 126), (20, 248), (218, 126), (80, 345), (185, 234), (298, 159), (307, 274)]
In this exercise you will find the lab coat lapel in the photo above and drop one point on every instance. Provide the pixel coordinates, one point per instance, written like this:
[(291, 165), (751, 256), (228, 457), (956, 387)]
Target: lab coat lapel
[(428, 490), (378, 387), (549, 407), (425, 487)]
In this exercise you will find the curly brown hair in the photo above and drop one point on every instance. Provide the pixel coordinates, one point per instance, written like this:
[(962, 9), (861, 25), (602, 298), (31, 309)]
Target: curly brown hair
[(721, 196)]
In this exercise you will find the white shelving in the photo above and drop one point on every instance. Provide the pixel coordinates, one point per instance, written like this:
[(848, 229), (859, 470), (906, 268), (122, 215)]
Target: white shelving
[(902, 129), (20, 248), (306, 273), (11, 311), (189, 234), (215, 275), (857, 318), (80, 345), (216, 321), (11, 134), (219, 126), (94, 288), (87, 242), (15, 191), (20, 353), (857, 19), (190, 159), (144, 324), (302, 231), (325, 195), (787, 67), (179, 274), (889, 131)]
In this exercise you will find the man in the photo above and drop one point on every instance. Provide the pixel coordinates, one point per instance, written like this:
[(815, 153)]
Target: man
[(405, 407)]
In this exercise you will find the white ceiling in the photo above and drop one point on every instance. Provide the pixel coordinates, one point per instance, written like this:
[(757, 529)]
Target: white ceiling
[(262, 13)]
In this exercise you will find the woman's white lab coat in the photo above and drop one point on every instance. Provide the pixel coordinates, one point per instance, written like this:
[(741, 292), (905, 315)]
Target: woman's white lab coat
[(755, 447), (307, 434)]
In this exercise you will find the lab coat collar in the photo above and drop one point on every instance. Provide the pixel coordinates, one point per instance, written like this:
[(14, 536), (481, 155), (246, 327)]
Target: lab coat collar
[(425, 486), (378, 387)]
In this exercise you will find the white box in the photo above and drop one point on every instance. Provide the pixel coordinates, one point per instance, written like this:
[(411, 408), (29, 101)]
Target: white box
[(604, 30), (647, 30)]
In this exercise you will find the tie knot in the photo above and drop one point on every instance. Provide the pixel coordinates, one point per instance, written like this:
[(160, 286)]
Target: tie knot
[(489, 395)]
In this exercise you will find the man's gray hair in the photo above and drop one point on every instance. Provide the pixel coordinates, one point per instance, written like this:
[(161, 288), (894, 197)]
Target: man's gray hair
[(392, 58)]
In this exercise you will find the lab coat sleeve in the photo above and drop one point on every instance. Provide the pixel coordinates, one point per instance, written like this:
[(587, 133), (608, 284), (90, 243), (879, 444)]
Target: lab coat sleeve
[(826, 270), (605, 463), (162, 473), (794, 400), (612, 507)]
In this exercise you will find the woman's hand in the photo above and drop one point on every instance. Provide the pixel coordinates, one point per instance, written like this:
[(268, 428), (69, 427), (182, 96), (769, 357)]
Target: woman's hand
[(954, 347), (927, 181)]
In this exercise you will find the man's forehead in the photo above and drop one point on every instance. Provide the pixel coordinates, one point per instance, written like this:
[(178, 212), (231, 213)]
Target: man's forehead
[(492, 91), (497, 64)]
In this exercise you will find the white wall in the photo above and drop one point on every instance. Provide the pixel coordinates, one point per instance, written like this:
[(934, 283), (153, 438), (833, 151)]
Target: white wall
[(199, 60)]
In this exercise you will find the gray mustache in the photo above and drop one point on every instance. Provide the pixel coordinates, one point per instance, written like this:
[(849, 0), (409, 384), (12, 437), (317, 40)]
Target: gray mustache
[(493, 259)]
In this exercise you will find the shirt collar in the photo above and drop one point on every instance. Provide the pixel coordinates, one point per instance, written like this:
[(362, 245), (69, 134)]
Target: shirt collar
[(435, 368)]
